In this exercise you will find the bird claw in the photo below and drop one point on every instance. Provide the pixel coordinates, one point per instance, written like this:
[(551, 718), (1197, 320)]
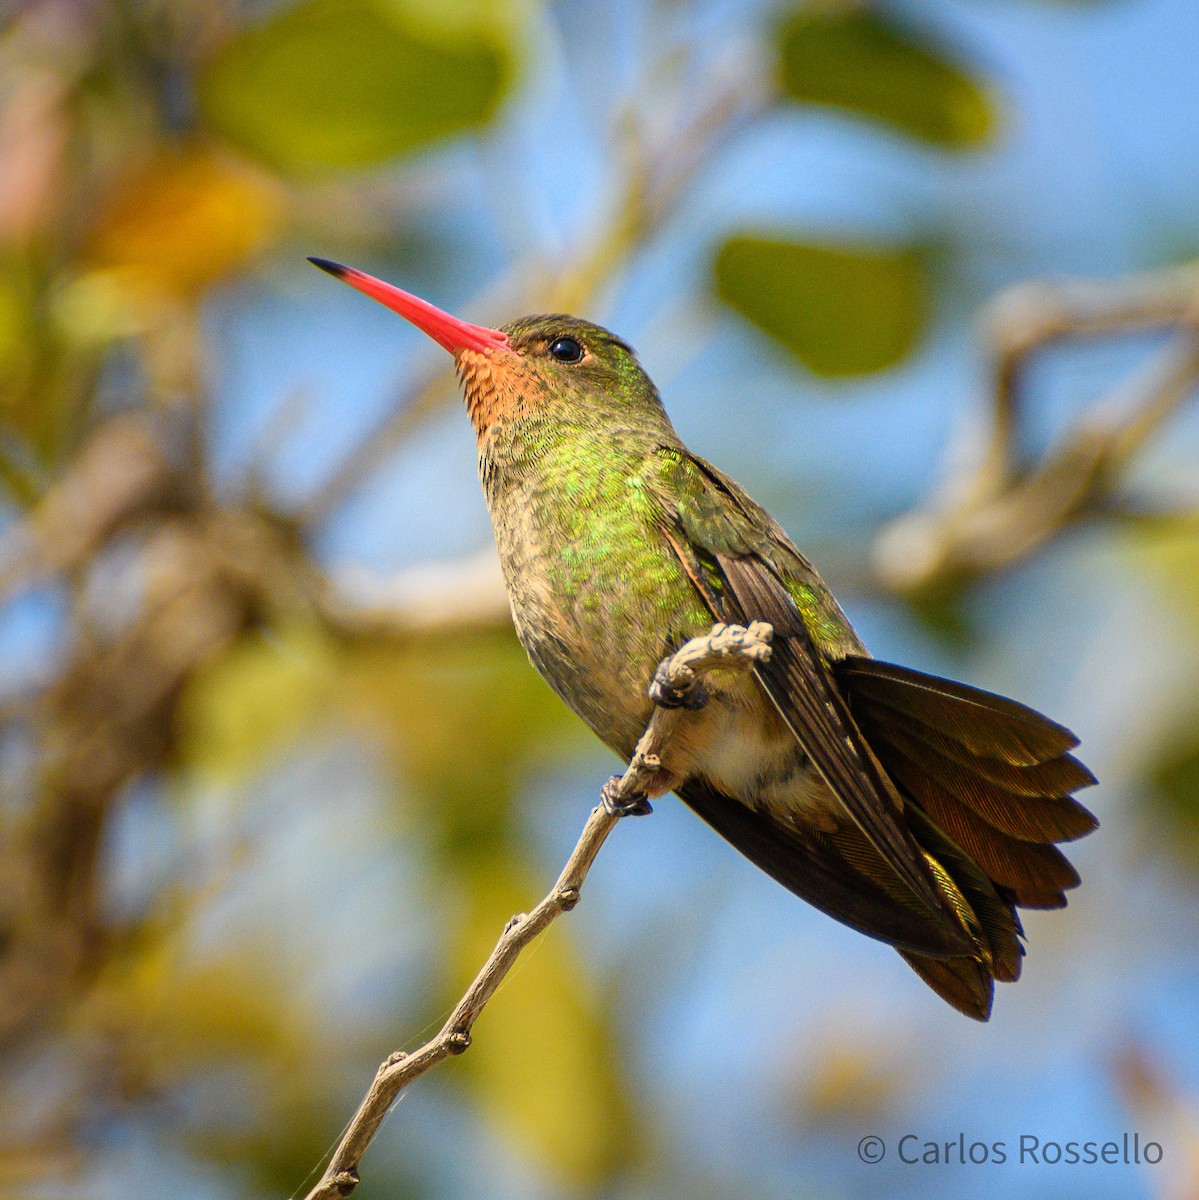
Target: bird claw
[(666, 694), (637, 805)]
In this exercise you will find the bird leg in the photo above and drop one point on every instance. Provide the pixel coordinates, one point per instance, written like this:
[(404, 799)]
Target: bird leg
[(636, 805), (667, 691), (676, 685)]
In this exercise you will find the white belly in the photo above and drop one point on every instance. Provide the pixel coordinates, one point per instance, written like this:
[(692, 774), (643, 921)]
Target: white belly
[(740, 745)]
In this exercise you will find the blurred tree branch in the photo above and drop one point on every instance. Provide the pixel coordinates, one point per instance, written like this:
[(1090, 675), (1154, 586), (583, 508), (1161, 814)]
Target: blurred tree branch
[(725, 646), (161, 580), (997, 511), (463, 593)]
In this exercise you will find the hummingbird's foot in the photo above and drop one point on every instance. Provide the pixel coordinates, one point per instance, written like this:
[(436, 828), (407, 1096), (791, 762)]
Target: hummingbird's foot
[(637, 805), (666, 693)]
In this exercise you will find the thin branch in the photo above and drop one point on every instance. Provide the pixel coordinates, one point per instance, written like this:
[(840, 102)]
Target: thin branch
[(725, 646)]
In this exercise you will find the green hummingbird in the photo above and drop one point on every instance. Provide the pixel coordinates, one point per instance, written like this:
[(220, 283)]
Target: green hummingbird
[(919, 811)]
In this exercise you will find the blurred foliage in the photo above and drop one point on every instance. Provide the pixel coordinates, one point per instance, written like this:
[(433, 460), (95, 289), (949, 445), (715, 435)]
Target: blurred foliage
[(1171, 817), (858, 59), (152, 153), (462, 751), (1175, 779), (180, 223), (256, 701), (354, 83), (840, 309)]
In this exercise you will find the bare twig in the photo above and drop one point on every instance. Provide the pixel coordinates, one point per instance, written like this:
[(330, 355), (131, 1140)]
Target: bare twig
[(727, 646)]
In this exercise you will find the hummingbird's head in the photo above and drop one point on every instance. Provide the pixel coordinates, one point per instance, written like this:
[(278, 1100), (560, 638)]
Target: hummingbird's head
[(554, 367), (548, 366)]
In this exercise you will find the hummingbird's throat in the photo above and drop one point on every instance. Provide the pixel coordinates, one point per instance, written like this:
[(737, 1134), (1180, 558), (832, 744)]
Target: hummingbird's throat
[(497, 383)]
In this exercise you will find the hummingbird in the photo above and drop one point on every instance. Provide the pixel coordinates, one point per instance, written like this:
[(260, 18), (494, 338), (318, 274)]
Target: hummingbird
[(917, 810)]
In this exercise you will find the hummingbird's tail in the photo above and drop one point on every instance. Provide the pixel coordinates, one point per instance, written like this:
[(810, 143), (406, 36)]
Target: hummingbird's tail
[(986, 786), (989, 785)]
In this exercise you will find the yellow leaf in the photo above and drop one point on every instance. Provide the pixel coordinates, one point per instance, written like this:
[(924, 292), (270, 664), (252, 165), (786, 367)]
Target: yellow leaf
[(543, 1058), (187, 219)]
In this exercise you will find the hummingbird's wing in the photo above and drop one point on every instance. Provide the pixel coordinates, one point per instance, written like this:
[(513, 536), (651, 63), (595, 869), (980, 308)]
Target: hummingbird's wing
[(873, 875), (945, 787)]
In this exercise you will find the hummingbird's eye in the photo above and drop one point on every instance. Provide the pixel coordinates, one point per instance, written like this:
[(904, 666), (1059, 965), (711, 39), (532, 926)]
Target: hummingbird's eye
[(567, 350)]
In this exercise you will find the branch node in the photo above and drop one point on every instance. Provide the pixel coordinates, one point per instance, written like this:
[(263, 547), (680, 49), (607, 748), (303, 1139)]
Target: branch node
[(393, 1060), (646, 761), (344, 1182), (457, 1041), (514, 921), (567, 898)]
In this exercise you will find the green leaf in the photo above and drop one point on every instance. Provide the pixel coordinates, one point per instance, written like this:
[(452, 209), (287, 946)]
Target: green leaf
[(862, 62), (353, 83), (841, 309)]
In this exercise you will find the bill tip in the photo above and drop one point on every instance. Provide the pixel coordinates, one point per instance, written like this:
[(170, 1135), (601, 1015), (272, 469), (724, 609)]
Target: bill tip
[(334, 269)]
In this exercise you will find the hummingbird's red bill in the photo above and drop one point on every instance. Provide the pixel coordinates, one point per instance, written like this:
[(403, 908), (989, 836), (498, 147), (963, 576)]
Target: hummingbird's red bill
[(448, 331)]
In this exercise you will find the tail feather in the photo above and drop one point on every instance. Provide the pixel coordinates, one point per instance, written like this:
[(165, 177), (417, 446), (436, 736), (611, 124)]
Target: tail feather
[(989, 785), (1007, 860), (963, 982), (1027, 815), (1034, 898), (995, 919), (985, 723), (967, 981), (1052, 777)]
